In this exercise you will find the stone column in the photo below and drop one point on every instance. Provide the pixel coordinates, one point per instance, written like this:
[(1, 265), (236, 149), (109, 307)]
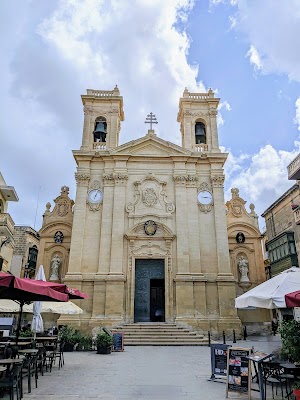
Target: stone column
[(82, 180), (117, 245), (106, 225)]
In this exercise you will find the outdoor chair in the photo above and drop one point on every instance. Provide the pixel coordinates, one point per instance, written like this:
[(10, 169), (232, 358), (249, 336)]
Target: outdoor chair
[(59, 353), (30, 369), (12, 382), (272, 374)]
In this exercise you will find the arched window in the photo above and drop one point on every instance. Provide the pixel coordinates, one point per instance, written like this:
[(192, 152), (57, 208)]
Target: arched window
[(100, 130), (200, 133), (1, 207)]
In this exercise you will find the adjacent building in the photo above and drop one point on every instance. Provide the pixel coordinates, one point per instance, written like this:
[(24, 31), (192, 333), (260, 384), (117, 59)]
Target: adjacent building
[(7, 243), (282, 232)]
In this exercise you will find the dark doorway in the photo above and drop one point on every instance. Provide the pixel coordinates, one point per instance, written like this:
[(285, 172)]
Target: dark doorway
[(149, 296), (157, 300)]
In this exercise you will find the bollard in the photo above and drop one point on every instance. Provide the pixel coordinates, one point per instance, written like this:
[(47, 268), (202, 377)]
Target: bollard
[(245, 333), (234, 339), (209, 339), (224, 338)]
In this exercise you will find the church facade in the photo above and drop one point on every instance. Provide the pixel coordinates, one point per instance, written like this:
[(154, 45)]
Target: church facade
[(149, 237)]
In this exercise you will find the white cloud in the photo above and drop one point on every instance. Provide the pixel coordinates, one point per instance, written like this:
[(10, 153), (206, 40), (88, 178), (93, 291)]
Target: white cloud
[(227, 107), (63, 47), (254, 58), (262, 177), (297, 117), (272, 28)]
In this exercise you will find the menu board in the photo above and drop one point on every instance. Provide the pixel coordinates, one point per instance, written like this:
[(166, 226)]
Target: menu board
[(118, 341), (218, 354), (238, 371)]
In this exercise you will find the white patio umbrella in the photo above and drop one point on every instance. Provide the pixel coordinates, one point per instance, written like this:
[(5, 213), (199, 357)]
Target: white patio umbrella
[(270, 294), (53, 307), (67, 307), (37, 324)]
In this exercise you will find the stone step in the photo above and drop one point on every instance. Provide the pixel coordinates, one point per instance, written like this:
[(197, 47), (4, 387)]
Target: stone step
[(166, 343), (160, 334)]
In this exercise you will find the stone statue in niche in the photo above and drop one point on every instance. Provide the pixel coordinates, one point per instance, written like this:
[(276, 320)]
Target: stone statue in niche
[(243, 265), (55, 264)]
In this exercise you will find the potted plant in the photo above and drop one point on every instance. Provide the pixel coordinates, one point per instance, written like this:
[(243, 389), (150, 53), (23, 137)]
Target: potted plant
[(296, 389), (67, 335), (103, 342)]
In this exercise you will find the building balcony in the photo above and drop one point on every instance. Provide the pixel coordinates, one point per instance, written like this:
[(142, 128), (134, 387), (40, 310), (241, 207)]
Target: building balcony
[(294, 169), (99, 146), (201, 148), (6, 225)]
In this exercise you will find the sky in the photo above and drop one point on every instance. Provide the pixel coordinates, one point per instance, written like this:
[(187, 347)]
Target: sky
[(247, 51)]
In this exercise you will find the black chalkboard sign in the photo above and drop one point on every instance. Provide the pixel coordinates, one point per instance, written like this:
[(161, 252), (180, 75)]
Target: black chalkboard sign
[(118, 341), (238, 371), (218, 356)]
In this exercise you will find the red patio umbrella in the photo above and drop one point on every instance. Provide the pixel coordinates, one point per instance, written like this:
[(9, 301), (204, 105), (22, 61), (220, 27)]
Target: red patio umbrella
[(25, 290), (293, 299)]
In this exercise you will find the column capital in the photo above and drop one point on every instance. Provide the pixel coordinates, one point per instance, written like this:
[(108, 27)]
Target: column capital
[(217, 181), (82, 178)]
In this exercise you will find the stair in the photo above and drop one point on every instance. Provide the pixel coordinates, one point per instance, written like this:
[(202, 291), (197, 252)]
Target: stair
[(159, 334)]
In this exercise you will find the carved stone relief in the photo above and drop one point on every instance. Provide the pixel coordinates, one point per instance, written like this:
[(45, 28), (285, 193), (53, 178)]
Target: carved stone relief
[(150, 197)]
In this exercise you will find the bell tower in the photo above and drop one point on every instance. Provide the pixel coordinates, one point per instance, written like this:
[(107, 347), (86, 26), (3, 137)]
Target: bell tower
[(103, 112), (198, 121)]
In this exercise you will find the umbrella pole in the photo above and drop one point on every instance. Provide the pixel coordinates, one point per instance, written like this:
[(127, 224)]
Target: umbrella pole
[(19, 321)]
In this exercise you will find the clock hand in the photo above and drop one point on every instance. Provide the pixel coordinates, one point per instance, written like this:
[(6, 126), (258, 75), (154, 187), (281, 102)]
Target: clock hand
[(96, 194)]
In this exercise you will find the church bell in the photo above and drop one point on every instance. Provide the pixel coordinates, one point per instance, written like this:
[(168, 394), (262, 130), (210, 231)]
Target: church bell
[(200, 133), (100, 132)]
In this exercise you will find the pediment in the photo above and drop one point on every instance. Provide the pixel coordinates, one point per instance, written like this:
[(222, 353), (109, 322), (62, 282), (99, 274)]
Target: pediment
[(150, 145)]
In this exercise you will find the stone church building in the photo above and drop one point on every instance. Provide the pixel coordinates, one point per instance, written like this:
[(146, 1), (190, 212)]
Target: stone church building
[(149, 238)]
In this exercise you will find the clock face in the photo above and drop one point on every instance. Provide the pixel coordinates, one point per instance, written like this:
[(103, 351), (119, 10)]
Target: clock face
[(205, 197), (95, 196)]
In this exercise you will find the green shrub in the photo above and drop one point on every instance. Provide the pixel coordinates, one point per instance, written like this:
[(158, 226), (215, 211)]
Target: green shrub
[(103, 339), (290, 336)]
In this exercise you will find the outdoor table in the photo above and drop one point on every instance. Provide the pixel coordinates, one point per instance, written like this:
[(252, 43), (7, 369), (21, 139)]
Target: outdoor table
[(28, 351), (258, 357)]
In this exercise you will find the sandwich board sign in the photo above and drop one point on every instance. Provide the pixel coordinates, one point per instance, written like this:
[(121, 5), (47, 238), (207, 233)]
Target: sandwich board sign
[(238, 371)]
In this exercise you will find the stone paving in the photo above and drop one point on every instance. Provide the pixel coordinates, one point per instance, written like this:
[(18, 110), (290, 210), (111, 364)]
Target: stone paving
[(139, 373)]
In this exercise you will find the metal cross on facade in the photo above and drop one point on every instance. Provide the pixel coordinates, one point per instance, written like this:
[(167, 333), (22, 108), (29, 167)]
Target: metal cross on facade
[(151, 119)]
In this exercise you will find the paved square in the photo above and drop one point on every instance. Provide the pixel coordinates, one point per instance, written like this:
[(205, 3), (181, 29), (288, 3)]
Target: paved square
[(144, 373)]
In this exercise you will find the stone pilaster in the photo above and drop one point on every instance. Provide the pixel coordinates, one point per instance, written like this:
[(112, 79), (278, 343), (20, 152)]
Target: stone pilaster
[(214, 130), (181, 224), (82, 180), (106, 226), (193, 225), (221, 226), (87, 136), (117, 247)]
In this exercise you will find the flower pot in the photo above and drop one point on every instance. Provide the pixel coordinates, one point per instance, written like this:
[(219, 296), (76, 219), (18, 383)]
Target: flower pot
[(103, 350), (297, 393), (68, 347)]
